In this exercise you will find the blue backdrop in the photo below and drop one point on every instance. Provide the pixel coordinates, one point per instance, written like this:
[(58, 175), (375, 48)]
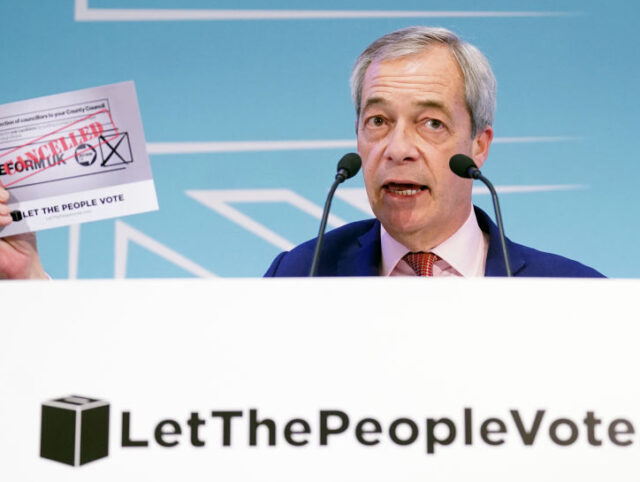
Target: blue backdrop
[(246, 117)]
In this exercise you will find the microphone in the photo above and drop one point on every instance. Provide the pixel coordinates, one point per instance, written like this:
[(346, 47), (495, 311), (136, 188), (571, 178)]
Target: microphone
[(464, 167), (348, 167)]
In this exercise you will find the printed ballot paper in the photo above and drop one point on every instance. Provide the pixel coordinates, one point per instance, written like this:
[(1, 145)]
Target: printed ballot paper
[(74, 157)]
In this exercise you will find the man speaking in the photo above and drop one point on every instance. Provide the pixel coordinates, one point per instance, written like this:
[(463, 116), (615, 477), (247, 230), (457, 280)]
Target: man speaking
[(421, 96)]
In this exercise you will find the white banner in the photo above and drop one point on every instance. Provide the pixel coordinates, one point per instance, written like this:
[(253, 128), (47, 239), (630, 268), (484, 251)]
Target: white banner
[(327, 379)]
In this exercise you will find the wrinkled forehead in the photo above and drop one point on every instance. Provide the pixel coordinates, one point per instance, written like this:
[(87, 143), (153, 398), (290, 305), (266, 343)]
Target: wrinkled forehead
[(431, 70)]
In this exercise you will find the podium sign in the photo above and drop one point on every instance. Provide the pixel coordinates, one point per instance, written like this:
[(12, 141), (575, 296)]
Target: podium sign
[(324, 379)]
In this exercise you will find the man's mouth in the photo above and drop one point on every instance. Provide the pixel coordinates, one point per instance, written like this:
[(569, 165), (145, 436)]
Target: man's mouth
[(402, 189)]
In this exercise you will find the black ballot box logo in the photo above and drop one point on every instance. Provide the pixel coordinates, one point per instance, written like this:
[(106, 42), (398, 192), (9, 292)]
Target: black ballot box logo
[(74, 430)]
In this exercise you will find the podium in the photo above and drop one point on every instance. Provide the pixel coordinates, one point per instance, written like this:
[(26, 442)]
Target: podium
[(356, 379)]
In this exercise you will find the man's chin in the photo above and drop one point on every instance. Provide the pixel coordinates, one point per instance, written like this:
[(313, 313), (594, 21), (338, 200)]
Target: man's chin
[(416, 233), (404, 230)]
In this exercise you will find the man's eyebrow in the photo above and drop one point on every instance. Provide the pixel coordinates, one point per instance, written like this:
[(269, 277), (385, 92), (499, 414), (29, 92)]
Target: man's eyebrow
[(374, 101), (434, 104)]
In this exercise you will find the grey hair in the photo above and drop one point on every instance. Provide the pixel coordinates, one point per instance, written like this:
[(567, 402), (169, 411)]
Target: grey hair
[(479, 81)]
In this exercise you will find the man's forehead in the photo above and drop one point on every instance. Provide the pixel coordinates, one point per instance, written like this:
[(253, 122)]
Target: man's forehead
[(415, 81), (435, 67), (418, 103)]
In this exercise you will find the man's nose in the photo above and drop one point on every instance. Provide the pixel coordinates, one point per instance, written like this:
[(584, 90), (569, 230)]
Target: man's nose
[(401, 146)]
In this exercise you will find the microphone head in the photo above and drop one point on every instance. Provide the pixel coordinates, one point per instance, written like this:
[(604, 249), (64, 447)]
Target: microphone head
[(462, 165), (349, 165)]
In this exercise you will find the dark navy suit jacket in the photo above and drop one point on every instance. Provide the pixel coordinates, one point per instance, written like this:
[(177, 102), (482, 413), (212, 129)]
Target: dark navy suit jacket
[(354, 250)]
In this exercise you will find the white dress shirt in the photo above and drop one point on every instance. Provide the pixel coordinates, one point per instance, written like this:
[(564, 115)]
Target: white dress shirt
[(463, 254)]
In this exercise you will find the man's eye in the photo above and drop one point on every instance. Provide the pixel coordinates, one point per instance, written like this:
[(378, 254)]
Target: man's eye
[(434, 124), (375, 121)]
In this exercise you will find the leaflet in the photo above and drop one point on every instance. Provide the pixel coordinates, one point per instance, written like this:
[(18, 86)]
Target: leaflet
[(73, 158)]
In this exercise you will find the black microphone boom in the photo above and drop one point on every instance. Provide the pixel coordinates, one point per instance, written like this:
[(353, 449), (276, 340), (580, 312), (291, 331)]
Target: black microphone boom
[(464, 166), (348, 167)]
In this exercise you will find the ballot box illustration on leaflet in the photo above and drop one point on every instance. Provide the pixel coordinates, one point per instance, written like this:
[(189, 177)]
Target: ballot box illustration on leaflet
[(74, 430)]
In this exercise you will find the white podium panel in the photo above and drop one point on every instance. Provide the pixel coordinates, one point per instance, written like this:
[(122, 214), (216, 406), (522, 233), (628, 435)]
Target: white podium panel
[(316, 380)]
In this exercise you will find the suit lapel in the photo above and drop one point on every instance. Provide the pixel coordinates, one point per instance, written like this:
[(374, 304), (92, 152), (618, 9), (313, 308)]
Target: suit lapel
[(495, 259), (364, 260)]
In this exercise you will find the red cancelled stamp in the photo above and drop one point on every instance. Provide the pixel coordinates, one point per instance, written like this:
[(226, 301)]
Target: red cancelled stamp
[(78, 139)]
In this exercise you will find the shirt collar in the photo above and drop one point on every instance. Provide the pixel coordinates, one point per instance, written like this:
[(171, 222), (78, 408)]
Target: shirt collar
[(465, 251)]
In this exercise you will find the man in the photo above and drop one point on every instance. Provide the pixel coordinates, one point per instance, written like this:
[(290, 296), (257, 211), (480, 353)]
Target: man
[(422, 95)]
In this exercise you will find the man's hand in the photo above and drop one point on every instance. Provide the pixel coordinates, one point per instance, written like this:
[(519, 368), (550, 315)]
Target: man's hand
[(19, 257)]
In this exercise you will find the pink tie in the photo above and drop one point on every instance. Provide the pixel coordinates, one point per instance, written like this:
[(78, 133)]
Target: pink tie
[(421, 263)]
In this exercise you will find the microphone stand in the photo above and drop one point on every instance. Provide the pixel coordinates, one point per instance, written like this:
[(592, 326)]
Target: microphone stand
[(340, 178), (476, 174)]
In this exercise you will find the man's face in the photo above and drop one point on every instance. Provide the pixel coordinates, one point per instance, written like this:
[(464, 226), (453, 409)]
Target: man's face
[(413, 119)]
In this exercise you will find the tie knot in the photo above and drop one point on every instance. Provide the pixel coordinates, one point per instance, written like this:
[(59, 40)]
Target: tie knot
[(421, 263)]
